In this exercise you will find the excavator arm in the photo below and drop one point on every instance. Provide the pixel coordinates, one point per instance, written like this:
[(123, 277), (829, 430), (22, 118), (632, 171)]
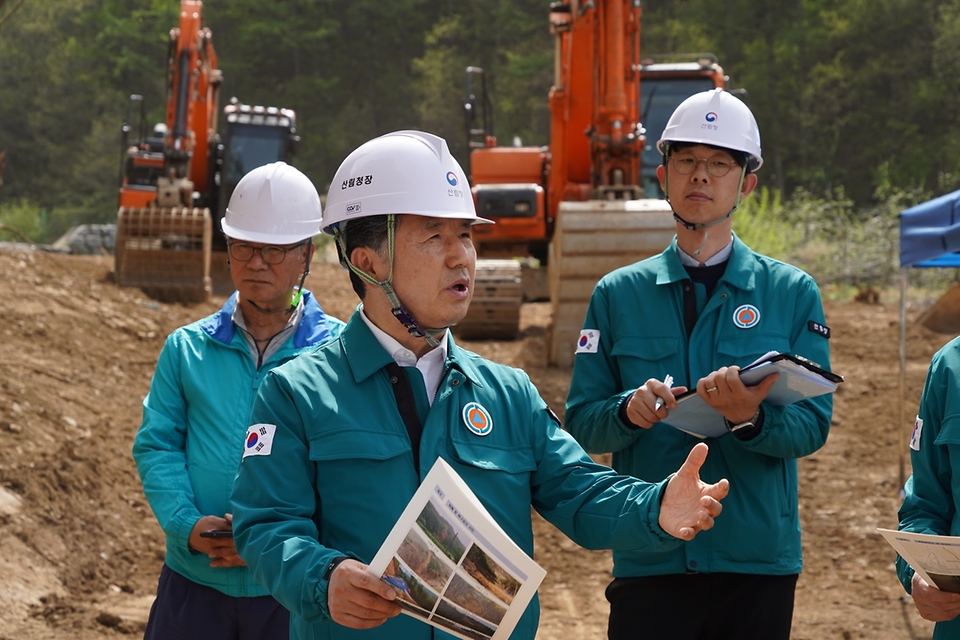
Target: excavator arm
[(193, 86), (164, 232), (585, 204), (177, 182)]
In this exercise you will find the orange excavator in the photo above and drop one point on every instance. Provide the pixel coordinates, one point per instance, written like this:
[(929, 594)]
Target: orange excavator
[(176, 180), (584, 205)]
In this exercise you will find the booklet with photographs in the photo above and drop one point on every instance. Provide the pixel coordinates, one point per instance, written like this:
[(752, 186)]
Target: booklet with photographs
[(451, 564)]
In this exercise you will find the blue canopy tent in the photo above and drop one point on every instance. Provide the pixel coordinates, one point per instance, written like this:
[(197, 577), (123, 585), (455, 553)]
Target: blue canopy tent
[(929, 237)]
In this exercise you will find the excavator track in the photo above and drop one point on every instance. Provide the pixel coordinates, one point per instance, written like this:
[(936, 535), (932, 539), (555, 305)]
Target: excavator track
[(591, 239), (497, 296), (165, 251)]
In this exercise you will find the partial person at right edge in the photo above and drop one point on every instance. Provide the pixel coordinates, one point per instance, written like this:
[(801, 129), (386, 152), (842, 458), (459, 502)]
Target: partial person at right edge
[(698, 311), (931, 503)]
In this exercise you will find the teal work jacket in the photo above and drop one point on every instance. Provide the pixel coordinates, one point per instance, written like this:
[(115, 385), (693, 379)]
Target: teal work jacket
[(341, 471), (932, 493), (194, 422), (638, 312)]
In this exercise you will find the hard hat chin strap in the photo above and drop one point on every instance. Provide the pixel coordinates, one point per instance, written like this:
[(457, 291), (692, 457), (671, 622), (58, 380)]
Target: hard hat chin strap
[(303, 278), (693, 226), (399, 311)]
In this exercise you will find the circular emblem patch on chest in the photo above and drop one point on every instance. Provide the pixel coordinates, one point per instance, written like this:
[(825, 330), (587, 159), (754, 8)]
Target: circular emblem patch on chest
[(746, 316), (477, 419)]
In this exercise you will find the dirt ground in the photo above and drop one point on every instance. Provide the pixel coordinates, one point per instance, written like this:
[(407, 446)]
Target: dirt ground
[(80, 550)]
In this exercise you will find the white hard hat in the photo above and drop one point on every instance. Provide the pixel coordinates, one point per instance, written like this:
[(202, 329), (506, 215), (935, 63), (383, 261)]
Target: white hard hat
[(273, 204), (717, 118), (400, 172)]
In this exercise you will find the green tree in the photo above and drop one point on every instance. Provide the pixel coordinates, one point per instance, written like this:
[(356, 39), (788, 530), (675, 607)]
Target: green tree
[(511, 42), (68, 65)]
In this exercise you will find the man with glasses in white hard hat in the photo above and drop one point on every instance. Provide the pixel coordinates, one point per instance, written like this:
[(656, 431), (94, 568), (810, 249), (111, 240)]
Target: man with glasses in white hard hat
[(195, 416), (694, 314), (353, 428)]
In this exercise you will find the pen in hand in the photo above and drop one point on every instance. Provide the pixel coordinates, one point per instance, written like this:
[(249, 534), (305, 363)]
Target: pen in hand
[(659, 403)]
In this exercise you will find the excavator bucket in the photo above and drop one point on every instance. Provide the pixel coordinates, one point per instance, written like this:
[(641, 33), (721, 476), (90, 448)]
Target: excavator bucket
[(165, 251), (495, 309), (591, 239)]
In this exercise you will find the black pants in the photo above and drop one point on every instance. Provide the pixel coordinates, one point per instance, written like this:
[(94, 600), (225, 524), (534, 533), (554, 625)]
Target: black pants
[(701, 606), (185, 610)]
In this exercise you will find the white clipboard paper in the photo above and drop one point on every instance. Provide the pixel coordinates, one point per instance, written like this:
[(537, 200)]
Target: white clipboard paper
[(799, 379), (452, 565), (936, 559)]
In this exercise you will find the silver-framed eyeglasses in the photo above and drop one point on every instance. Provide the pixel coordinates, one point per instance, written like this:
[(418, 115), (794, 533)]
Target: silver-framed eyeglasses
[(271, 254), (717, 166)]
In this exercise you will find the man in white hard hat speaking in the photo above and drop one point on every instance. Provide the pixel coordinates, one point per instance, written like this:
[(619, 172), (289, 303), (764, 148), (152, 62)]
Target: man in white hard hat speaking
[(195, 416), (694, 314), (354, 427)]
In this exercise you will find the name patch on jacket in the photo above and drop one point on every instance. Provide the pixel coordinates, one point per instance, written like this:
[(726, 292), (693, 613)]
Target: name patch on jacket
[(259, 440), (589, 341), (822, 329)]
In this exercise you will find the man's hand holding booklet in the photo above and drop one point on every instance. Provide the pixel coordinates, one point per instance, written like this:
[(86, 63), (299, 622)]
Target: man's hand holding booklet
[(799, 379), (452, 565)]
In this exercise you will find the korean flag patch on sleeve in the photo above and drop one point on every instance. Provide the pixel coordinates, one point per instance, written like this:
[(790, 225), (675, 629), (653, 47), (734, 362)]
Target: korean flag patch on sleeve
[(259, 440), (589, 341)]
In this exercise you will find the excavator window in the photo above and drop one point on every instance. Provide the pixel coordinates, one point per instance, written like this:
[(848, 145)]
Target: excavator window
[(251, 146)]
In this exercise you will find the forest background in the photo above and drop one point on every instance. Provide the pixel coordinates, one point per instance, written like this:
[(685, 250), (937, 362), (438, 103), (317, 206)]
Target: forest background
[(856, 99)]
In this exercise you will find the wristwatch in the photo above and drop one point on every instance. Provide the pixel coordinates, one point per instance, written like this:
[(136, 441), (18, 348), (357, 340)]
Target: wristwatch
[(333, 565), (748, 424)]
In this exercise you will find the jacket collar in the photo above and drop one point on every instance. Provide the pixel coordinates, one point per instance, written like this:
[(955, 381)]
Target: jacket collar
[(366, 355), (740, 272), (313, 328)]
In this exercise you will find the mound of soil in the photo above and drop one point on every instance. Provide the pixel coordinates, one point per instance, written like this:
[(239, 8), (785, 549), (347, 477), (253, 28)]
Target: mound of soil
[(80, 550)]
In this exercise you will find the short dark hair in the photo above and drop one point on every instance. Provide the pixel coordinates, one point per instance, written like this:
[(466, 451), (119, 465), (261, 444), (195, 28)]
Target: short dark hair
[(368, 232), (738, 156)]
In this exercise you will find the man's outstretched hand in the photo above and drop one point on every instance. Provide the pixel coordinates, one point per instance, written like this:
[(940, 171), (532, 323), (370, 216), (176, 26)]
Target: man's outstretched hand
[(689, 505)]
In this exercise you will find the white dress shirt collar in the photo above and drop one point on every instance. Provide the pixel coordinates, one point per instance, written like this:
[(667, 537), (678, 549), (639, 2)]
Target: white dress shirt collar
[(689, 261), (431, 365)]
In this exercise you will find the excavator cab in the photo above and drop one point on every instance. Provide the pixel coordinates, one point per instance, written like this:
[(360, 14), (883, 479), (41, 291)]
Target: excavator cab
[(141, 160)]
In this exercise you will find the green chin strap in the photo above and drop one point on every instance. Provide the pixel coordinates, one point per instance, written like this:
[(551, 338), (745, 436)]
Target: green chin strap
[(303, 278), (399, 311)]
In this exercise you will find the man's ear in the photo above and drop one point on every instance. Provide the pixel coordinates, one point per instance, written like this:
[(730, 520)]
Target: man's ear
[(370, 262), (309, 255), (749, 184)]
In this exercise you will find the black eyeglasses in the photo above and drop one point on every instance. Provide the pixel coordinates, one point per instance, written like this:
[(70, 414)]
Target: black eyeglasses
[(717, 166), (271, 254)]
